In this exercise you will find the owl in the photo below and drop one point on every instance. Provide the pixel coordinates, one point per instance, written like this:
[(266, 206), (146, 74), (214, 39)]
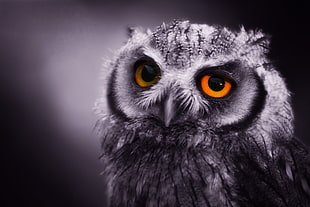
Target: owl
[(197, 115)]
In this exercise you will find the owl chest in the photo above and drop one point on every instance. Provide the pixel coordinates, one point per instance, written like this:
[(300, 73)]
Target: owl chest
[(170, 179)]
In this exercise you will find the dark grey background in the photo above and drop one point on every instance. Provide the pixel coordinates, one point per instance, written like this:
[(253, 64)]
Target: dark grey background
[(51, 53)]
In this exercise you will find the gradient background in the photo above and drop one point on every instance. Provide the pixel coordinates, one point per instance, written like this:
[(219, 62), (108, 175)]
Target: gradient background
[(50, 58)]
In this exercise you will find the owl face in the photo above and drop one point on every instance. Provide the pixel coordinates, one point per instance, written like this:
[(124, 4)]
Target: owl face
[(185, 101), (206, 76)]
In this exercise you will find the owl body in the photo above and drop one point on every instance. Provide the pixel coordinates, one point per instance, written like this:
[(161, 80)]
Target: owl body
[(196, 115)]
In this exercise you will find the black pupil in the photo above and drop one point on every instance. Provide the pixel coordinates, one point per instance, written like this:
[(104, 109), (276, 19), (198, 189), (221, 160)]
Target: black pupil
[(149, 73), (216, 83)]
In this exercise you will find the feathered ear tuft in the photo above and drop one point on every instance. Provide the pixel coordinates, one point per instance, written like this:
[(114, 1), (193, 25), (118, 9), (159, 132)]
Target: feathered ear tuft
[(255, 38), (130, 31), (137, 34), (260, 39), (133, 31)]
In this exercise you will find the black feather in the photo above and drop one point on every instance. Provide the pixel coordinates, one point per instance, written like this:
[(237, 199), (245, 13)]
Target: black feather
[(230, 171)]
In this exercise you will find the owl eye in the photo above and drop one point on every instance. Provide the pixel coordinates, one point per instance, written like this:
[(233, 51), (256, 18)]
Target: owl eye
[(147, 74), (215, 86)]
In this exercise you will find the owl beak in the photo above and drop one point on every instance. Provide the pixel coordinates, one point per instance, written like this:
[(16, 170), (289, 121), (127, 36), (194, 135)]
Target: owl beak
[(169, 110)]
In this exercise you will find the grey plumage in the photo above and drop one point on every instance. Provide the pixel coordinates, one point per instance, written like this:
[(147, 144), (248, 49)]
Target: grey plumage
[(167, 141)]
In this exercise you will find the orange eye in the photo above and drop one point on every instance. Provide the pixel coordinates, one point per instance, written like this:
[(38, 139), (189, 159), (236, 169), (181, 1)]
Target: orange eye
[(215, 86), (147, 74)]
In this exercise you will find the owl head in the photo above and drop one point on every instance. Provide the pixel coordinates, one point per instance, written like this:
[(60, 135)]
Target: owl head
[(185, 78)]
